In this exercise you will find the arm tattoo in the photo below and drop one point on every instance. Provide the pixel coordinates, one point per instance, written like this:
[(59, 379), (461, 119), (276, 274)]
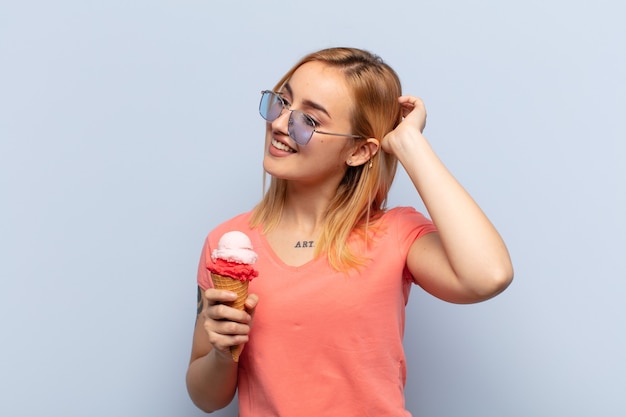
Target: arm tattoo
[(200, 301)]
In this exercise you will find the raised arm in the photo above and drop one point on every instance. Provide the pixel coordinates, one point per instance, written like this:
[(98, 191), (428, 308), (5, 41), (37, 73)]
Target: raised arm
[(467, 260)]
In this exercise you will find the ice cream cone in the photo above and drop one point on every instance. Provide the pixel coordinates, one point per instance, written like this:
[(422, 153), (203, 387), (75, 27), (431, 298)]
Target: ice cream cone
[(241, 289), (231, 269)]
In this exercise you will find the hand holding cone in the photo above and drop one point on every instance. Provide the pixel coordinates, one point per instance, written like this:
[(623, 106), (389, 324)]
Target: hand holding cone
[(232, 271)]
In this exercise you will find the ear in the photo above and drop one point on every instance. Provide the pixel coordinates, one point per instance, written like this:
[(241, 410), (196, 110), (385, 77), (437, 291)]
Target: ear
[(363, 152)]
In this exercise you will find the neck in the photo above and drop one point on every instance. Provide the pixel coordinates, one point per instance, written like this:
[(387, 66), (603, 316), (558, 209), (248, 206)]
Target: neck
[(305, 207)]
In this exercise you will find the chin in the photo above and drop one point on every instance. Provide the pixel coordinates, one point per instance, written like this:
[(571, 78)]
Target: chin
[(270, 168)]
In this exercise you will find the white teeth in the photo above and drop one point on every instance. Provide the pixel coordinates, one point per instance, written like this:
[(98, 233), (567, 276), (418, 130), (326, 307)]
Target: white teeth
[(281, 146)]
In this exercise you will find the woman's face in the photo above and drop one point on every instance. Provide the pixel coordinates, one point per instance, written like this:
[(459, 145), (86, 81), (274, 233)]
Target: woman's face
[(320, 92)]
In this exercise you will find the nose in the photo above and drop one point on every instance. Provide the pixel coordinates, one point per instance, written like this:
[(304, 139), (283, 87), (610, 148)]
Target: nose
[(281, 123)]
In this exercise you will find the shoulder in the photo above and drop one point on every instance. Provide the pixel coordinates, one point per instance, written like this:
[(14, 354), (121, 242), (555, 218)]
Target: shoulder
[(395, 229), (406, 224), (240, 222), (407, 217)]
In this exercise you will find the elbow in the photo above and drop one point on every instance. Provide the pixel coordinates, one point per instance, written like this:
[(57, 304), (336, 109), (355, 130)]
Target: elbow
[(502, 280), (495, 282), (204, 404), (202, 397), (202, 407)]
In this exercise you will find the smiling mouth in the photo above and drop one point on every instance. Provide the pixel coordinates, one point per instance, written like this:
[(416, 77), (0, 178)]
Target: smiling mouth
[(282, 146)]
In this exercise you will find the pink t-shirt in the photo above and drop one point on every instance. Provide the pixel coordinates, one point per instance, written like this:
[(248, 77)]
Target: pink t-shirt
[(325, 342)]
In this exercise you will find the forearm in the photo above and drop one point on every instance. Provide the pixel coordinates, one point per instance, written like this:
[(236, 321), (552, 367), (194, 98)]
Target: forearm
[(474, 248), (212, 381)]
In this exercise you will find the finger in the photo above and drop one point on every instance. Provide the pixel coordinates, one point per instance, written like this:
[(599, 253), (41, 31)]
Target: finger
[(406, 105), (414, 111), (214, 296), (223, 333), (251, 302), (223, 342), (410, 103), (414, 101), (228, 328), (221, 312)]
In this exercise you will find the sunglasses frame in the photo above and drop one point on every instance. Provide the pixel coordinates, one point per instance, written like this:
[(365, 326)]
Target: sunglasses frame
[(291, 121)]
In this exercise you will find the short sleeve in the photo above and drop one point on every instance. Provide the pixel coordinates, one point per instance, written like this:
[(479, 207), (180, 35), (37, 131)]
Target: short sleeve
[(411, 225), (204, 276), (240, 222)]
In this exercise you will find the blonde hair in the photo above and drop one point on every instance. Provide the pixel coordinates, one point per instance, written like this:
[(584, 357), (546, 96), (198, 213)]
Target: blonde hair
[(362, 194)]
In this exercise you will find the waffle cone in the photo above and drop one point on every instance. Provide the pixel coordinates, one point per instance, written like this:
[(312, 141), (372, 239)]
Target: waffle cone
[(240, 288)]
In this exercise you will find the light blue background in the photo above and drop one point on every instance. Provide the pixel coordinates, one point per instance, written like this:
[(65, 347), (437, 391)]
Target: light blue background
[(129, 129)]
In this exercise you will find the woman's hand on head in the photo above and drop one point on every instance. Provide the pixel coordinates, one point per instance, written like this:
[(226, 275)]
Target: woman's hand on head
[(412, 125), (224, 325)]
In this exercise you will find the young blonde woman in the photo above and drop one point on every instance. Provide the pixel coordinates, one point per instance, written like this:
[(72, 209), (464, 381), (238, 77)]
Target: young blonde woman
[(324, 320)]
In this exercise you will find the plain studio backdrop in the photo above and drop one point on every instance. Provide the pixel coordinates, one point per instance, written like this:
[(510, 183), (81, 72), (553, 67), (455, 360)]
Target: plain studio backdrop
[(129, 129)]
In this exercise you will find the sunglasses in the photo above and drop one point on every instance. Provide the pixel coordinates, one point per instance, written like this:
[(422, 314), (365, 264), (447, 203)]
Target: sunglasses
[(300, 126)]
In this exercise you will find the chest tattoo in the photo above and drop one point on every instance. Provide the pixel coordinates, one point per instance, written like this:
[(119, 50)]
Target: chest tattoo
[(304, 244)]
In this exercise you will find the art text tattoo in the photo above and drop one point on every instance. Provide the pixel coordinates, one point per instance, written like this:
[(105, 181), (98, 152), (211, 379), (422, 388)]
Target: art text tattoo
[(304, 244)]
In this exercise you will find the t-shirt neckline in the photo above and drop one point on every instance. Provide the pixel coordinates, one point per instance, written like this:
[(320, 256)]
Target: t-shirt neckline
[(278, 260)]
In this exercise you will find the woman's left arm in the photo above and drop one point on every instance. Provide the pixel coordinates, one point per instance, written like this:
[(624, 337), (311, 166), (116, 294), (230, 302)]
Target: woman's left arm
[(467, 260)]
